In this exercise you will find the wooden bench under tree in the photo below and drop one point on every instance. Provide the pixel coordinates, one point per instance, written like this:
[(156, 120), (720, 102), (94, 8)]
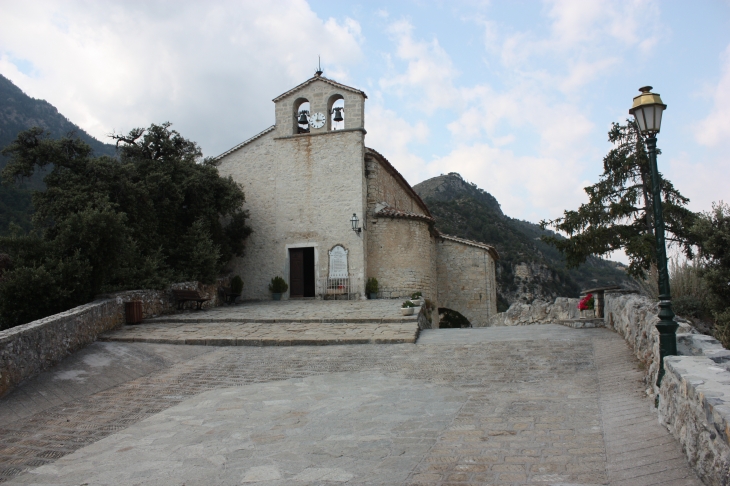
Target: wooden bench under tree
[(183, 296)]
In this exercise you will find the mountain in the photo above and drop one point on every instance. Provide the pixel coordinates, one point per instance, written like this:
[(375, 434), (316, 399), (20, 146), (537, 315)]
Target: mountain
[(528, 269), (19, 112)]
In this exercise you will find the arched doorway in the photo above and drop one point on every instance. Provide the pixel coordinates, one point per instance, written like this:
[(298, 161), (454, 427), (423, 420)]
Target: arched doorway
[(451, 319)]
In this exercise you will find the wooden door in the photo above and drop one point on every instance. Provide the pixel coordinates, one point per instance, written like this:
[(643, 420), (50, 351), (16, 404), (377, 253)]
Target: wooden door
[(296, 272)]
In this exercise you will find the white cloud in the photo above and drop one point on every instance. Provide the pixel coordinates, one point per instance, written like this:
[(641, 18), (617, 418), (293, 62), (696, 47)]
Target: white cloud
[(211, 69), (715, 128), (429, 69), (392, 136)]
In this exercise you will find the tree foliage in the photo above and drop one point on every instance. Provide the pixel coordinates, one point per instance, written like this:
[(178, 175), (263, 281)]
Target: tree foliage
[(158, 213), (712, 233), (618, 214)]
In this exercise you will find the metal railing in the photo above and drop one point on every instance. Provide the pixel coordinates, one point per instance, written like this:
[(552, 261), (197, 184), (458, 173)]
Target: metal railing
[(335, 288)]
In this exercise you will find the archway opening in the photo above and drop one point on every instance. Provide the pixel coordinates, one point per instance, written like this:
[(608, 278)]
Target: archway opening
[(301, 107), (451, 319), (336, 110)]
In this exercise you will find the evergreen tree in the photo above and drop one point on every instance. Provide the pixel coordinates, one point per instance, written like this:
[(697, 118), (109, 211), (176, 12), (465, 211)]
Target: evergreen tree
[(157, 214), (619, 212)]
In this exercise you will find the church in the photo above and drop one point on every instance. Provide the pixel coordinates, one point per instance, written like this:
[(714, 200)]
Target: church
[(329, 213)]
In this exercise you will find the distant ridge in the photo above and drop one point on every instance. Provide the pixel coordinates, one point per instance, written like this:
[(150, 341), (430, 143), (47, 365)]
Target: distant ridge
[(528, 269), (19, 112)]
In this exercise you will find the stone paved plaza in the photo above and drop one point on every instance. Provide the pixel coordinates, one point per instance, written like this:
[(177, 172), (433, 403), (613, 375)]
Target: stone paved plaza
[(543, 405)]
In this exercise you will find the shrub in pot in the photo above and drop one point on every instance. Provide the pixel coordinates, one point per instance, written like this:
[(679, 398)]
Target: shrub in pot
[(277, 287), (371, 288), (237, 285), (408, 308)]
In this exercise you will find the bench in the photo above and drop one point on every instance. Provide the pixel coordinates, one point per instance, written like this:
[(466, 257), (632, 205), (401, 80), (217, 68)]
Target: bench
[(183, 296)]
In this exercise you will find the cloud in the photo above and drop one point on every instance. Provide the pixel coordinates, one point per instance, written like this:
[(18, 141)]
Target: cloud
[(392, 136), (715, 128), (429, 69), (210, 69)]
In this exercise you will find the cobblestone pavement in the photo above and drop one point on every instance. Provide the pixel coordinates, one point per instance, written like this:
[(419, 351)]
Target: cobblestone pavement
[(298, 310), (528, 405), (266, 334)]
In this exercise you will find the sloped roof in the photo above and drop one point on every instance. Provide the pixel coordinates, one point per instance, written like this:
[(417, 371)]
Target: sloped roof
[(245, 142), (319, 78), (392, 171), (492, 251), (397, 213)]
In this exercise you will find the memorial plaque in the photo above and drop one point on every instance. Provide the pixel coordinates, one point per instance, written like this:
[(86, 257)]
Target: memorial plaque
[(338, 262)]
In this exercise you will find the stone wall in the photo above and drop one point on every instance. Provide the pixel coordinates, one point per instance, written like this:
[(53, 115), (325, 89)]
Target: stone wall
[(383, 186), (320, 94), (402, 256), (539, 312), (466, 280), (694, 398), (634, 317), (301, 191), (28, 349), (694, 405)]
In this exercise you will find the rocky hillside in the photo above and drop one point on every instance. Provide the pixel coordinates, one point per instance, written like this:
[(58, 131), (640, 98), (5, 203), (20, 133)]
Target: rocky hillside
[(528, 269), (19, 112)]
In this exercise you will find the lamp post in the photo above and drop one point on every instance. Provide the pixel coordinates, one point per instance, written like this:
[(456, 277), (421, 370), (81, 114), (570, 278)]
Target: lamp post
[(647, 109)]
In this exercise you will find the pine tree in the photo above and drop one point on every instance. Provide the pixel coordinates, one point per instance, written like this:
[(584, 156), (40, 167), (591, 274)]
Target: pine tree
[(618, 214)]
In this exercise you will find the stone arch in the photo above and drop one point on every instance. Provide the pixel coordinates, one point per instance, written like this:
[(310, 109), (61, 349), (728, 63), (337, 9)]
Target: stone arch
[(451, 319), (336, 100), (299, 105)]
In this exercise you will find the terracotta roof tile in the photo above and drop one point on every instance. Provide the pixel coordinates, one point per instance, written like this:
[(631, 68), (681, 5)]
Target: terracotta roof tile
[(389, 212)]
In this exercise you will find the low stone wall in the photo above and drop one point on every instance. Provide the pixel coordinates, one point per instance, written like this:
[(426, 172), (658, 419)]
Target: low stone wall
[(28, 349), (539, 312), (694, 398), (634, 317), (160, 302), (694, 405)]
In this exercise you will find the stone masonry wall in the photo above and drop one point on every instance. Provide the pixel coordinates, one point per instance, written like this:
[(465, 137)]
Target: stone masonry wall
[(539, 312), (401, 255), (466, 281), (29, 349), (300, 191), (382, 187), (320, 95)]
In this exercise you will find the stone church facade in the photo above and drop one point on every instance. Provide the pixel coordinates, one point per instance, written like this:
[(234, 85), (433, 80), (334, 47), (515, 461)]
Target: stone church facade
[(306, 182)]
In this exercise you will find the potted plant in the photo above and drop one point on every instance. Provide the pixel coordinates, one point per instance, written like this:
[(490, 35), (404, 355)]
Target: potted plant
[(277, 287), (417, 297), (408, 308), (371, 288), (586, 306)]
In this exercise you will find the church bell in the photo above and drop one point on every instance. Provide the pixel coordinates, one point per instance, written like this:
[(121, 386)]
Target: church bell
[(303, 118), (338, 114)]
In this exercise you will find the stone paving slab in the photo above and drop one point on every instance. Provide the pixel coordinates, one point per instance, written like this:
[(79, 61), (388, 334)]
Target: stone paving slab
[(533, 405), (265, 334)]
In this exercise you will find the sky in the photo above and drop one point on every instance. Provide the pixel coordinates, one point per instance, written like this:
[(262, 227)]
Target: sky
[(516, 96)]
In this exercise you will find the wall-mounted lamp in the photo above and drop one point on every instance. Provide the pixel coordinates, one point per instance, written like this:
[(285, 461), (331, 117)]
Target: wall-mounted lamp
[(355, 224)]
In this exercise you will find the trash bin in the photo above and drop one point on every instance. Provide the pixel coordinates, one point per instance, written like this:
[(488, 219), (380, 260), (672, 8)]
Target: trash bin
[(134, 312)]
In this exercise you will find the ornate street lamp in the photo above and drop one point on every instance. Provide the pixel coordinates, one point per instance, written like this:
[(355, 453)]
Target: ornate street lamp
[(647, 110)]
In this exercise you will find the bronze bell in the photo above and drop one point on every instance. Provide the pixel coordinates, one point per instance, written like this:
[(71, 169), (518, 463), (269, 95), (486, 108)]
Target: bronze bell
[(303, 118), (338, 114)]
